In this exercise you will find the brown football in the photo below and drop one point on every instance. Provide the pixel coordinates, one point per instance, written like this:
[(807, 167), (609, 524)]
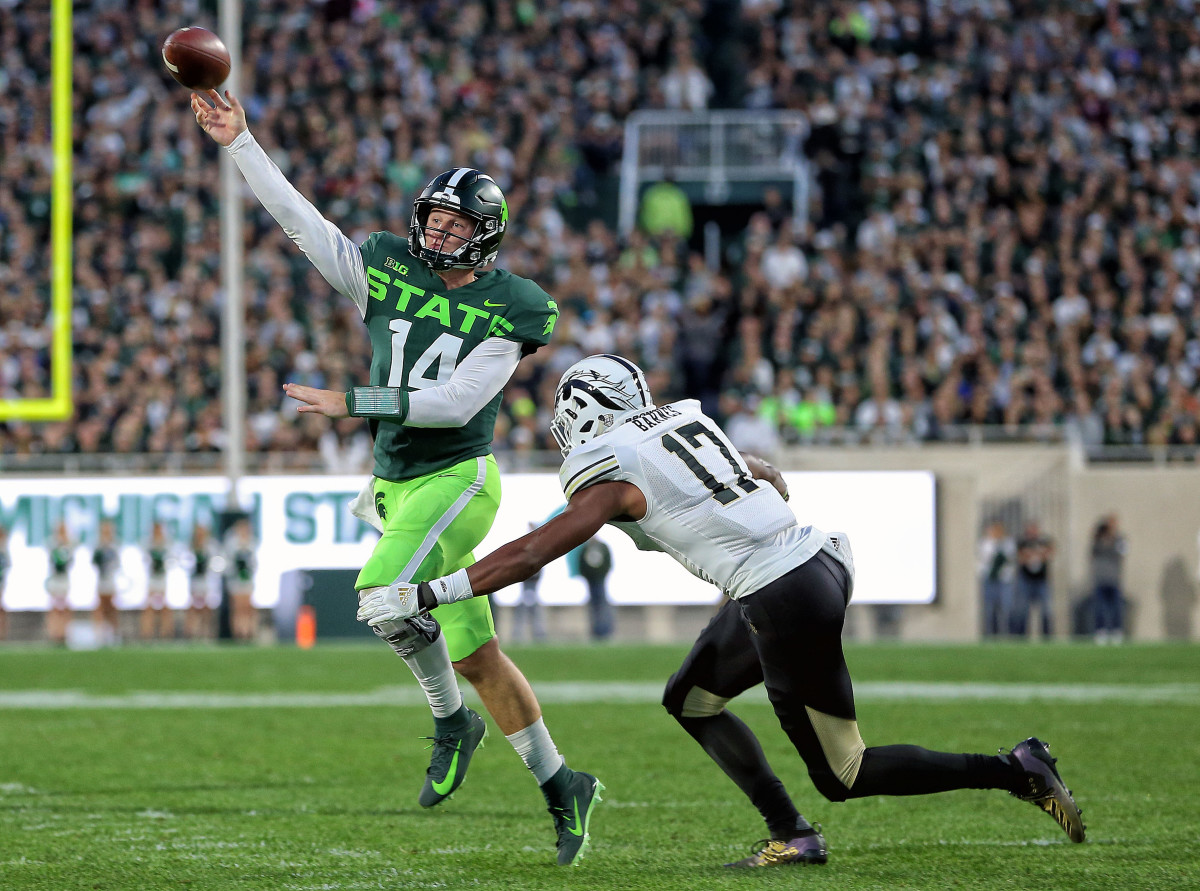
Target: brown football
[(196, 58)]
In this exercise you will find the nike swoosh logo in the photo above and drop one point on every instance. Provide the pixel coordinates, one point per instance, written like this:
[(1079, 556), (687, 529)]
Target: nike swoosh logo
[(577, 829), (444, 786), (489, 303)]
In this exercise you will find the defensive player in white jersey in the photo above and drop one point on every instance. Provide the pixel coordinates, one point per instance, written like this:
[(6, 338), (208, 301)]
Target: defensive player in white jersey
[(669, 477)]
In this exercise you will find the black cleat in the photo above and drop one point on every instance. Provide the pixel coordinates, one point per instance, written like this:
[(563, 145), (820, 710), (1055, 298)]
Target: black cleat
[(772, 852), (1045, 787), (451, 756), (572, 795)]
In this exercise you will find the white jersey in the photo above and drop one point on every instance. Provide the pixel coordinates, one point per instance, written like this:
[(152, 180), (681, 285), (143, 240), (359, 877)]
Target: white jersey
[(702, 505)]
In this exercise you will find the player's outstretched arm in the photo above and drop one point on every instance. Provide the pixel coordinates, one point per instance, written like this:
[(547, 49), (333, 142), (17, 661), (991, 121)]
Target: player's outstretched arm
[(474, 383), (588, 510), (476, 380), (761, 470), (336, 257)]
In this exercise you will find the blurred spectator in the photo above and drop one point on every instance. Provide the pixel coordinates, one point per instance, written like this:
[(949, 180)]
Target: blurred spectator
[(1107, 564), (701, 354), (1034, 553), (595, 563), (198, 622), (106, 560), (749, 430), (666, 210), (58, 584), (240, 565), (346, 446), (997, 566), (528, 612), (685, 85), (158, 619), (783, 263)]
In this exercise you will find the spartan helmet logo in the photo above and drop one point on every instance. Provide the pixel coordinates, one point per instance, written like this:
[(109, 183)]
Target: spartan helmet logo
[(593, 396)]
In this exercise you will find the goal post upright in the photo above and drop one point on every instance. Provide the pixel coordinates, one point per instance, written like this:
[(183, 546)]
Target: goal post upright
[(59, 405)]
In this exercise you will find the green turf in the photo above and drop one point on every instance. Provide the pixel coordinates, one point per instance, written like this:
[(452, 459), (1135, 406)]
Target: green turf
[(322, 795)]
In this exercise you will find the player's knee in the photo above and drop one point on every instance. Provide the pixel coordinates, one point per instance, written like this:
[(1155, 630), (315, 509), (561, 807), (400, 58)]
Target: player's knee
[(828, 784), (407, 636), (842, 747), (683, 699), (674, 693)]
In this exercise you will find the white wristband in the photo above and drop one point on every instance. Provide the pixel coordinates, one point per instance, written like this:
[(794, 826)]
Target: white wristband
[(452, 588)]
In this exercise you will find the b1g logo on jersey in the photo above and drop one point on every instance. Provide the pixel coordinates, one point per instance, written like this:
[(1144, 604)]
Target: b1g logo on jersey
[(393, 263)]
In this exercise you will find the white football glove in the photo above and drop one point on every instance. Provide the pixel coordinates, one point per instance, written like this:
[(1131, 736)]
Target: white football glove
[(394, 603)]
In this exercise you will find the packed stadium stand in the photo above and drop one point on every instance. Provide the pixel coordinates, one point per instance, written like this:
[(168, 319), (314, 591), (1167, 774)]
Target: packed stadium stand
[(1002, 240)]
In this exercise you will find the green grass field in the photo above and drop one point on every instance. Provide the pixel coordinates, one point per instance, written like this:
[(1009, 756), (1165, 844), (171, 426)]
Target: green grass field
[(237, 768)]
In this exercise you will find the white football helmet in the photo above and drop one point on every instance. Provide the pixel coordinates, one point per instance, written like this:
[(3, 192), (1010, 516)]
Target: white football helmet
[(594, 395)]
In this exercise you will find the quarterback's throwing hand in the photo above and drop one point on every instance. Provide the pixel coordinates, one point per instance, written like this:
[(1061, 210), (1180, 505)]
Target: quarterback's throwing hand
[(390, 604), (221, 117)]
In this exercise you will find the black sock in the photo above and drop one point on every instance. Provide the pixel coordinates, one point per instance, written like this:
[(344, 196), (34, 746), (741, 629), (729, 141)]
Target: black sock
[(554, 790), (798, 828), (452, 723), (735, 749), (912, 770)]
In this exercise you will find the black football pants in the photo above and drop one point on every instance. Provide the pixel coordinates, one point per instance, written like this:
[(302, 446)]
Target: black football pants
[(788, 635)]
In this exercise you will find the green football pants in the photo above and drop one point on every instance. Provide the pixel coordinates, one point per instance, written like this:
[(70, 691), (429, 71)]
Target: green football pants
[(431, 526)]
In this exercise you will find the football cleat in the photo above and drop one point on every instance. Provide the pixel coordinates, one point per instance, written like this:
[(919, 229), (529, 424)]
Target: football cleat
[(450, 759), (774, 852), (572, 796), (1045, 787)]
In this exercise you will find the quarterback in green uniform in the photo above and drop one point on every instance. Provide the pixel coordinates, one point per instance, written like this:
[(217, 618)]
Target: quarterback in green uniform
[(446, 335)]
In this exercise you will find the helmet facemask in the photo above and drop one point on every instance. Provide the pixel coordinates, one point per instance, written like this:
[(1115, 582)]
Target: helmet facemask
[(461, 249), (472, 194)]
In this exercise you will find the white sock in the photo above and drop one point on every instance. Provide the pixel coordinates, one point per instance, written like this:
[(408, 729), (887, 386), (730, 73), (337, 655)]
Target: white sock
[(433, 671), (537, 750)]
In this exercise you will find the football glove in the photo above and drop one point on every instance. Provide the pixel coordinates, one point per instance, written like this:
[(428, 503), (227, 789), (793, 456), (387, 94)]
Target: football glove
[(396, 602)]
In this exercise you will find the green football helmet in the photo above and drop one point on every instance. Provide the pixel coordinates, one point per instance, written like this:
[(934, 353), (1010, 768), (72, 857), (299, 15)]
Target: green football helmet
[(472, 193)]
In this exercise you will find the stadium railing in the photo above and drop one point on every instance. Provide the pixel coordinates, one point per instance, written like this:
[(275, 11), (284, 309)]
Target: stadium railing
[(965, 436)]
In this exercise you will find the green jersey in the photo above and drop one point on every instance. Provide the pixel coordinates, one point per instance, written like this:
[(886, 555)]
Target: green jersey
[(200, 559), (420, 332), (157, 558), (105, 559), (60, 559), (243, 564)]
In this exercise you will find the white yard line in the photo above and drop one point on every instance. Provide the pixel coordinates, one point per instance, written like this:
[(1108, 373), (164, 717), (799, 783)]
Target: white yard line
[(640, 692)]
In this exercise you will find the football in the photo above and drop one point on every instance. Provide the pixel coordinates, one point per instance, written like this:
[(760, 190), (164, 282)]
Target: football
[(196, 58)]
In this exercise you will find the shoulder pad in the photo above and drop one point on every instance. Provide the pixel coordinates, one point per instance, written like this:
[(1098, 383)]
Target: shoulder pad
[(590, 463)]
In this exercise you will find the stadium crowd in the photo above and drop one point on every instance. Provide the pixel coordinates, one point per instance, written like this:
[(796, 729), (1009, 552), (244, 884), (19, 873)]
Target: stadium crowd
[(1005, 229)]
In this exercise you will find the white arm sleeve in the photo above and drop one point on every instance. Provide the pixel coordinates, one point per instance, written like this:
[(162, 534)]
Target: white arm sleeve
[(335, 256), (479, 377)]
